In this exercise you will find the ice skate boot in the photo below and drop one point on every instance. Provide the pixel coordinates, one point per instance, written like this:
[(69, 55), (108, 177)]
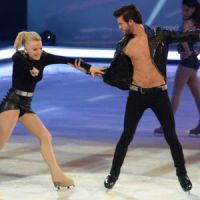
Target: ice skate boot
[(61, 181), (195, 131), (185, 183), (110, 181)]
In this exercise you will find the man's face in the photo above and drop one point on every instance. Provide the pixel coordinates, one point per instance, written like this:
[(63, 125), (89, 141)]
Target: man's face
[(123, 26)]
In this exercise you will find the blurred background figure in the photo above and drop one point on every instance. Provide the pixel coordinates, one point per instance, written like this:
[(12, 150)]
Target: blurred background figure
[(186, 73)]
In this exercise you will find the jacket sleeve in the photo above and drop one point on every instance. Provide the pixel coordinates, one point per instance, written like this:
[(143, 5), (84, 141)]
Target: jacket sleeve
[(181, 36), (56, 59), (119, 73), (20, 60)]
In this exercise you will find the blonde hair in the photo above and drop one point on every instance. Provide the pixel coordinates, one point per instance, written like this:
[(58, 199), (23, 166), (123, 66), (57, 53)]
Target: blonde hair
[(24, 37)]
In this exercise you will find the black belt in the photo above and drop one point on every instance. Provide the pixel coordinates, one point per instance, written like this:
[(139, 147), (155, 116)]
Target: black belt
[(152, 90)]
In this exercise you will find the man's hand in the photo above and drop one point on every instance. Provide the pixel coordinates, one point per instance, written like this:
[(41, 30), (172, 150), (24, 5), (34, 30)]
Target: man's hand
[(95, 71), (34, 72)]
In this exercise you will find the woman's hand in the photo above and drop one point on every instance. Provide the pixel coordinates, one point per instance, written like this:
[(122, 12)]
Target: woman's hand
[(94, 70), (34, 72), (185, 55), (77, 65)]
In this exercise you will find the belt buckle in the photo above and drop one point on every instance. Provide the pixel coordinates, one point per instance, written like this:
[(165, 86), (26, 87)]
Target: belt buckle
[(164, 87), (141, 90), (134, 88)]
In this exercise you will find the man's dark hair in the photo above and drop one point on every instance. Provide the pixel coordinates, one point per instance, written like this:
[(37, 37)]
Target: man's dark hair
[(129, 12)]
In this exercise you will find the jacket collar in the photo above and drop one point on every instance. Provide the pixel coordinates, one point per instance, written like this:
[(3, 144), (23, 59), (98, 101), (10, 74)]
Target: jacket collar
[(149, 32)]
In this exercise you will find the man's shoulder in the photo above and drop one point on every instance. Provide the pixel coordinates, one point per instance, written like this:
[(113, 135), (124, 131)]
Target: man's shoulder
[(126, 38), (151, 31)]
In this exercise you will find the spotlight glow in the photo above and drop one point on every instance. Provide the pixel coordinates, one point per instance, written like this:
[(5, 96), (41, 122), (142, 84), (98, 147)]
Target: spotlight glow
[(155, 11)]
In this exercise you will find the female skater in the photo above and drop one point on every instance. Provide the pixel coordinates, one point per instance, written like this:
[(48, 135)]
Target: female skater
[(28, 67), (187, 69)]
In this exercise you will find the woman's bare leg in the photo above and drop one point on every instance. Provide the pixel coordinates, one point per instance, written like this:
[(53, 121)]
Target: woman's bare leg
[(193, 84), (35, 126), (181, 79), (8, 120)]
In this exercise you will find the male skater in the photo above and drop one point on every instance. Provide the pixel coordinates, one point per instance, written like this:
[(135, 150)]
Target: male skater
[(139, 65), (147, 51)]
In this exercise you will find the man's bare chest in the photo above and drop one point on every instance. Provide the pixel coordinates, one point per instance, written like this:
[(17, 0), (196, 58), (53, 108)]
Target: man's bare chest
[(137, 48)]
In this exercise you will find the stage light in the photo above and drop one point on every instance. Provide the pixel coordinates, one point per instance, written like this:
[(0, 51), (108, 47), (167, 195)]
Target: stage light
[(48, 38), (159, 5)]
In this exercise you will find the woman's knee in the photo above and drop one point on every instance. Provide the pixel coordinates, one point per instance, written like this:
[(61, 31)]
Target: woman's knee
[(175, 100), (45, 137), (175, 97)]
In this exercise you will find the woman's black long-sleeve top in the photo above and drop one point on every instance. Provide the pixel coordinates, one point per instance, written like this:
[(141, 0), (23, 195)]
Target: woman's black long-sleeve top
[(22, 64)]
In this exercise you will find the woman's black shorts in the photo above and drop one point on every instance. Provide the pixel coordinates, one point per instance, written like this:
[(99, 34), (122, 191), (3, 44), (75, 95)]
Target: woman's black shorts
[(191, 62), (13, 101)]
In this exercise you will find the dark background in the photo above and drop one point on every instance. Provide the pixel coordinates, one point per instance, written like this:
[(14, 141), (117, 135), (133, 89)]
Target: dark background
[(13, 18), (80, 23)]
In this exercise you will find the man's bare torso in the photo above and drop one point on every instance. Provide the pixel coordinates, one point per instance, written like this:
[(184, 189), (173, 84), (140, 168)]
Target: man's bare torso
[(145, 74)]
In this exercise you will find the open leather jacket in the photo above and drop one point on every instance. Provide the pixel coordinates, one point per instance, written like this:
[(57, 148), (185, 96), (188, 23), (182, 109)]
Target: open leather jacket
[(120, 72)]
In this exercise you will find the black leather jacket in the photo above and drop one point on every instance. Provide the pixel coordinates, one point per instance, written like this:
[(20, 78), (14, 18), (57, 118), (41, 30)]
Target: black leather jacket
[(120, 72)]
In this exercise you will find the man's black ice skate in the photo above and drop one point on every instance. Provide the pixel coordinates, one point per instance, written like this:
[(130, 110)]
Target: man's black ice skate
[(110, 181), (185, 183)]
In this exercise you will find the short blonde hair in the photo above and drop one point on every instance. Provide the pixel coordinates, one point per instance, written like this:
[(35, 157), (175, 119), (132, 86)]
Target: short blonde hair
[(24, 37)]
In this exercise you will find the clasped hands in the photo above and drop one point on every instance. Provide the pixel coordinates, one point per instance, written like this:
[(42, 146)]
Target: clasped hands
[(94, 70)]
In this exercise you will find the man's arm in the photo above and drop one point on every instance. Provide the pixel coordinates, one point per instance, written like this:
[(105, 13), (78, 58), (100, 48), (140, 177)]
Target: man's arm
[(182, 36)]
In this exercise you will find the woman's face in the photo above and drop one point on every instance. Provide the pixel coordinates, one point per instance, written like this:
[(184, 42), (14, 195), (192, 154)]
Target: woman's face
[(187, 11), (34, 49)]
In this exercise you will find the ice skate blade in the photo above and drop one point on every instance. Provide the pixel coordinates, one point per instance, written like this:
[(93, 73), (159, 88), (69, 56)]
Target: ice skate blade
[(108, 190), (60, 186), (188, 195)]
